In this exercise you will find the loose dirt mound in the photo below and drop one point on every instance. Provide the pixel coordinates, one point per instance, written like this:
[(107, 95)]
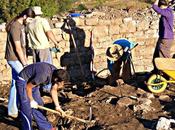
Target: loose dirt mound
[(124, 107)]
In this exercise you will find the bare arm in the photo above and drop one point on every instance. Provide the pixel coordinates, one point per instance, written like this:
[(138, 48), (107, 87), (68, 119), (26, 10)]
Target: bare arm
[(54, 95), (51, 36), (29, 91), (20, 53)]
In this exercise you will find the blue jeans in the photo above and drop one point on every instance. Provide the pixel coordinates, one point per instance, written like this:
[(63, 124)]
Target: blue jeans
[(16, 67), (26, 112)]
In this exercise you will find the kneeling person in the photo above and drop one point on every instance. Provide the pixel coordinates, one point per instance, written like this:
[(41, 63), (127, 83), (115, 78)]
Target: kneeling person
[(29, 80)]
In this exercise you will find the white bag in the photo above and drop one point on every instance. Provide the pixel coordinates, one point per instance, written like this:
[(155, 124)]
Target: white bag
[(164, 124)]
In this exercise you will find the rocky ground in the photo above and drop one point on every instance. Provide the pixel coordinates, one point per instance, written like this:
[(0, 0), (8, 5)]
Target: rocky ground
[(124, 107)]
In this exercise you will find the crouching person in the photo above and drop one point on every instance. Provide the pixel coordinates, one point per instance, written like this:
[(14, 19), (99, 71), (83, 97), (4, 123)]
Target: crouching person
[(29, 80)]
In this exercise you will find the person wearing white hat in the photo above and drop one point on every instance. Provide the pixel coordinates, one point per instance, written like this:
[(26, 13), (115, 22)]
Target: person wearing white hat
[(118, 61), (39, 34), (37, 10), (114, 54)]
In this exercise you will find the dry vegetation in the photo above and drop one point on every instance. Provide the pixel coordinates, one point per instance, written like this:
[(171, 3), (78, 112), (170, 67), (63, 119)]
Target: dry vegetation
[(118, 4)]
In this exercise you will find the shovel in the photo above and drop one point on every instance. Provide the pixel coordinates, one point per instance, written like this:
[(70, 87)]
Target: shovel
[(88, 122)]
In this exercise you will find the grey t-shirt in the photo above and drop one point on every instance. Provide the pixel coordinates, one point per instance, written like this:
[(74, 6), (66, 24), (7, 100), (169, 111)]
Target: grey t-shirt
[(16, 33)]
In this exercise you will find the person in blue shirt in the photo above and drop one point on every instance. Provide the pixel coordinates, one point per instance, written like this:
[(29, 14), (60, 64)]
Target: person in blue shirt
[(166, 34), (30, 79)]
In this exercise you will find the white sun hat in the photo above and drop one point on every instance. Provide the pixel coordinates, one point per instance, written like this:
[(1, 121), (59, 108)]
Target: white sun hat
[(114, 52), (37, 10)]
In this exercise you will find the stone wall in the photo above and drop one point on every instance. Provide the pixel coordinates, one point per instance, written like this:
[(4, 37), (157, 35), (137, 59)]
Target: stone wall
[(141, 29)]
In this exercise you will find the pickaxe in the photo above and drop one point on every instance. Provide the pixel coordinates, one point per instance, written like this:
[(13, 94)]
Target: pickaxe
[(88, 122)]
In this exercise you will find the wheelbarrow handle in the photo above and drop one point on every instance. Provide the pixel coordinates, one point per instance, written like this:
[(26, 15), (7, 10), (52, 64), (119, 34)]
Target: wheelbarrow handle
[(134, 46), (67, 116)]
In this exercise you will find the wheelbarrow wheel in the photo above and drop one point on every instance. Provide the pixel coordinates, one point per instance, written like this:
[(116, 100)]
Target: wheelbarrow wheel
[(156, 79)]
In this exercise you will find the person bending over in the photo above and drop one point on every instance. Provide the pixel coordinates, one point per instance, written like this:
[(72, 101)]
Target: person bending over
[(30, 79)]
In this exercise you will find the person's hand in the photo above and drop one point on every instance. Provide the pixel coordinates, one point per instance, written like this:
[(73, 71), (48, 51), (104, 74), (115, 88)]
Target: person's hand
[(58, 108), (34, 104), (25, 65)]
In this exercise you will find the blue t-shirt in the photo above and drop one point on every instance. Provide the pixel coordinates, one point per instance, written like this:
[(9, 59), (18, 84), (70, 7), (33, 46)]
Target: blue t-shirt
[(39, 73)]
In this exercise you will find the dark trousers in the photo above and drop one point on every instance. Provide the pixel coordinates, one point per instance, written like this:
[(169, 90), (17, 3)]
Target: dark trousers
[(163, 49), (26, 112), (116, 67)]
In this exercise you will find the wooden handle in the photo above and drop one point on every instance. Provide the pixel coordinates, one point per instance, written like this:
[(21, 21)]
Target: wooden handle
[(57, 112), (48, 109), (67, 116)]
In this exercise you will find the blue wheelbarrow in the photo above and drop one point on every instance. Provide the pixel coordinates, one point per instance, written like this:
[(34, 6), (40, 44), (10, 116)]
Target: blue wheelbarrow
[(127, 46)]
